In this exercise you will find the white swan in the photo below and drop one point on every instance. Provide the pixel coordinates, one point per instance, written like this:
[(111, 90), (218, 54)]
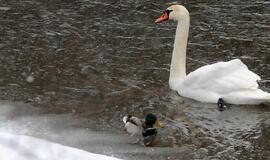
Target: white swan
[(229, 81)]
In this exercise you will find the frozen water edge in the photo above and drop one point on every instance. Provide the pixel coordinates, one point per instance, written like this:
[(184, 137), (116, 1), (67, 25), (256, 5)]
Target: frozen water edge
[(68, 130), (22, 119)]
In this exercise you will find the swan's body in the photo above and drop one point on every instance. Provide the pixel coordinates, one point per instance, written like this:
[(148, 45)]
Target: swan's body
[(231, 81)]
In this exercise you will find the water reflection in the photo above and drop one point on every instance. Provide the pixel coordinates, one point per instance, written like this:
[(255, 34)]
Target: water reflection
[(100, 56)]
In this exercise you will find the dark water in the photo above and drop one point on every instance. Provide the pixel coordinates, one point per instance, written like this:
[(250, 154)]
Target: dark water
[(102, 59)]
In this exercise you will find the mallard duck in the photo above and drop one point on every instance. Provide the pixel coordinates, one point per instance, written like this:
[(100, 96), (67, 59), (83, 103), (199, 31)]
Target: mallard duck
[(221, 105), (143, 128)]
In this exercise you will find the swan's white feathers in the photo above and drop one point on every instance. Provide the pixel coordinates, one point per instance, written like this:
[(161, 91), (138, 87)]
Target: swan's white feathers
[(231, 81), (224, 76), (223, 80)]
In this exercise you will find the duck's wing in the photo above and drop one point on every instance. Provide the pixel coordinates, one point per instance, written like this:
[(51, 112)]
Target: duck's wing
[(133, 120), (133, 125), (137, 121)]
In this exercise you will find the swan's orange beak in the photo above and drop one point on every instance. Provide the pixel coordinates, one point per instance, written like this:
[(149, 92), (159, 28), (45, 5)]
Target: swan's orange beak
[(163, 17)]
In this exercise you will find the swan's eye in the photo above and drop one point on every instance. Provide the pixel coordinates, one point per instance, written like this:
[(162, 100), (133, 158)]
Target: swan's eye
[(168, 11)]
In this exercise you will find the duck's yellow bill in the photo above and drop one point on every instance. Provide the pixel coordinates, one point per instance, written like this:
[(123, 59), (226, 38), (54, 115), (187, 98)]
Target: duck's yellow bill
[(158, 124)]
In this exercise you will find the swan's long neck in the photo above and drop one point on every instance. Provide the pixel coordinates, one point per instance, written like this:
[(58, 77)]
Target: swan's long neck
[(178, 63)]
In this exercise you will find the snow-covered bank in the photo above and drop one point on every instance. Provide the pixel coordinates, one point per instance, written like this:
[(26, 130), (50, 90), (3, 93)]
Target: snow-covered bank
[(19, 147)]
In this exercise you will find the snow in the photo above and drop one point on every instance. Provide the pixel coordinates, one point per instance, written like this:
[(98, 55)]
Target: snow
[(20, 147)]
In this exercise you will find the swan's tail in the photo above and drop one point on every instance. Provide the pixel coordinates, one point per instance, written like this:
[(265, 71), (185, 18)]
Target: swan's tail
[(248, 97), (266, 99), (267, 102)]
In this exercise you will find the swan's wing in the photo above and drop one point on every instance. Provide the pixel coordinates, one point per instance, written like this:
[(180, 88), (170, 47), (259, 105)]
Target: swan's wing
[(222, 78)]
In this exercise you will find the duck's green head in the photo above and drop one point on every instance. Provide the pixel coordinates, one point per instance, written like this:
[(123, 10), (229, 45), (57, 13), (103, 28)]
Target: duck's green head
[(152, 120)]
